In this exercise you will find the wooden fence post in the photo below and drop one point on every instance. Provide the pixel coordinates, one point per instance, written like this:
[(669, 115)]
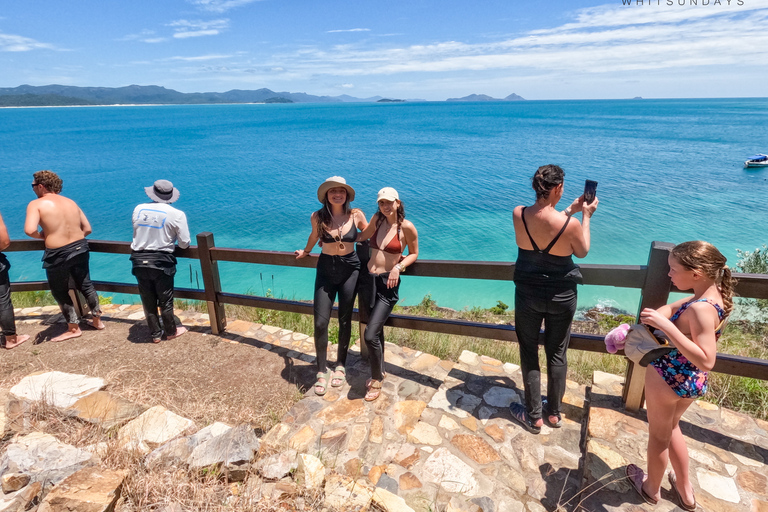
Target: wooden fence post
[(654, 294), (211, 282)]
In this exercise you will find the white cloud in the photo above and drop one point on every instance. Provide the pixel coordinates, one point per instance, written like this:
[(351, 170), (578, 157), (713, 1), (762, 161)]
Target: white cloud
[(197, 28), (145, 36), (347, 86), (348, 30), (220, 5), (14, 43), (198, 58)]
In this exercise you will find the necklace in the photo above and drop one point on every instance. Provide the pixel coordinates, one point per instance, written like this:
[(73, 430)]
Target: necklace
[(342, 246)]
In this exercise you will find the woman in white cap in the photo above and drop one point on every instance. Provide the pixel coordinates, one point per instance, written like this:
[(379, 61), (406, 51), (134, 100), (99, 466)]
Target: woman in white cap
[(390, 235), (335, 225)]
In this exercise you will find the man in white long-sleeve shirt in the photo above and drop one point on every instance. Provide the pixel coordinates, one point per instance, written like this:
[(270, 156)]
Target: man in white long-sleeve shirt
[(157, 226)]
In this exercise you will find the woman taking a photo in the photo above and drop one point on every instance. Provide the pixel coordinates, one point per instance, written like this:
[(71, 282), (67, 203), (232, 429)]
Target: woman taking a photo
[(390, 235), (336, 226), (545, 290), (675, 380)]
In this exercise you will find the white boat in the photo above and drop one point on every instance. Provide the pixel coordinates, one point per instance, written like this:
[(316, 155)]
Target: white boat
[(757, 161)]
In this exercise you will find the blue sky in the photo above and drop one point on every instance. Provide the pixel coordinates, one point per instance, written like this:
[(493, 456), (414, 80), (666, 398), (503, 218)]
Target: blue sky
[(544, 49)]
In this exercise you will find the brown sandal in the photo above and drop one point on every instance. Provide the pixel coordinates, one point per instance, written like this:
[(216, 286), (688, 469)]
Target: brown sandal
[(374, 390), (683, 505)]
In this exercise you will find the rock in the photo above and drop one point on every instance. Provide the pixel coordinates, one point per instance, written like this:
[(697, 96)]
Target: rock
[(475, 448), (748, 480), (277, 466), (344, 410), (154, 427), (232, 451), (390, 502), (179, 450), (377, 430), (276, 435), (388, 483), (496, 433), (407, 456), (407, 413), (468, 358), (353, 467), (721, 487), (375, 473), (103, 409), (12, 482), (43, 458), (333, 440), (344, 493), (454, 401), (310, 472), (510, 368), (502, 397), (470, 423), (89, 490), (485, 503), (356, 437), (407, 388), (424, 362), (602, 461), (302, 439), (424, 433), (56, 388), (448, 423), (21, 500), (449, 472), (409, 481)]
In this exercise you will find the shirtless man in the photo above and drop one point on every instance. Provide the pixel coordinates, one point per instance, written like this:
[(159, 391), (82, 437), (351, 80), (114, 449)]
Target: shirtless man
[(7, 320), (64, 228)]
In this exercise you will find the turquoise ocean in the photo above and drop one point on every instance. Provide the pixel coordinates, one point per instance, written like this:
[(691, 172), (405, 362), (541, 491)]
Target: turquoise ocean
[(668, 170)]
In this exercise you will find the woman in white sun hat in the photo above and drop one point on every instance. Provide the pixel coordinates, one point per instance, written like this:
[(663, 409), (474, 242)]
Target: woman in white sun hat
[(336, 225)]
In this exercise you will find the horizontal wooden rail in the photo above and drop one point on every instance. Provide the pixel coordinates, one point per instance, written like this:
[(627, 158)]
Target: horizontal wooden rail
[(626, 276)]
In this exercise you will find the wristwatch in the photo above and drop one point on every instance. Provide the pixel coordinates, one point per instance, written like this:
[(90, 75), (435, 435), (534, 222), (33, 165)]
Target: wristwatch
[(400, 267)]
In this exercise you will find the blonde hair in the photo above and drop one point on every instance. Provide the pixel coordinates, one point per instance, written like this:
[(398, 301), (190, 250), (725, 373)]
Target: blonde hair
[(705, 258)]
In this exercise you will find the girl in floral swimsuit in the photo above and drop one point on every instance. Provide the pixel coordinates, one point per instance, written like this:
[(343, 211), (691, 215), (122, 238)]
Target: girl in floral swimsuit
[(674, 381)]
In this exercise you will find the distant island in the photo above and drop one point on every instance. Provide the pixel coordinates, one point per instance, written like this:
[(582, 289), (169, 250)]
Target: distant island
[(67, 95), (483, 97)]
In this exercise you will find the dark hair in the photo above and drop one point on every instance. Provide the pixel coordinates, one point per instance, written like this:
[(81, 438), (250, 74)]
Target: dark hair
[(546, 178), (705, 258), (49, 179), (325, 217)]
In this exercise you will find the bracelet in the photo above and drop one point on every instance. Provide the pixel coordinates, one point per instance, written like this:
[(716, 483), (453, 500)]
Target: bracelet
[(567, 211), (400, 267)]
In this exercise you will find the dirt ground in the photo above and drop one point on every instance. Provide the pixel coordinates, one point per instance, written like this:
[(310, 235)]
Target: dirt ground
[(199, 376)]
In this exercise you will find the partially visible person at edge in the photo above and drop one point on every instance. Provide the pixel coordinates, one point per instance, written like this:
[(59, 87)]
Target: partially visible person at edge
[(674, 381), (336, 226), (545, 290), (64, 228), (7, 320), (157, 226), (390, 234)]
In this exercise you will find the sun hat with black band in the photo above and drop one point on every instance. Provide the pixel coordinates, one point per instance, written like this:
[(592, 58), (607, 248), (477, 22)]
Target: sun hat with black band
[(333, 182), (163, 191)]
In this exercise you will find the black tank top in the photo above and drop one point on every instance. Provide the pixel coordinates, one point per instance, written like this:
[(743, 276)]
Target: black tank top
[(539, 267), (350, 236)]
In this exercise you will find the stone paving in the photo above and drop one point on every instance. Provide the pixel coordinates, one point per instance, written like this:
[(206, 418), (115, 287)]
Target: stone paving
[(441, 437)]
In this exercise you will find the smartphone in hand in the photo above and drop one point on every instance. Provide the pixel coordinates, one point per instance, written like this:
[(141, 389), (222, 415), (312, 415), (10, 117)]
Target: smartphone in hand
[(590, 188)]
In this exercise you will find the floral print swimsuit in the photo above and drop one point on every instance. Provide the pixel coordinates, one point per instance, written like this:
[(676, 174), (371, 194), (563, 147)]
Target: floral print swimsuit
[(685, 378)]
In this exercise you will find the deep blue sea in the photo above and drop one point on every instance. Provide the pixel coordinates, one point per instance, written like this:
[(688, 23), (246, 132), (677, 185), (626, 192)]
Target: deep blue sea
[(668, 170)]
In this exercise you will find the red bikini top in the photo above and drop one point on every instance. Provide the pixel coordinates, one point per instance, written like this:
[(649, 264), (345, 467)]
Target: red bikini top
[(393, 247)]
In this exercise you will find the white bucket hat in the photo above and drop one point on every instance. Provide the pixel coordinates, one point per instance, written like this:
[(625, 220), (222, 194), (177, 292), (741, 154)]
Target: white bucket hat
[(333, 182)]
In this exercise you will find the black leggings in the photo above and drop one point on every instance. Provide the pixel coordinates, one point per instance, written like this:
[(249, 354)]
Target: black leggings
[(156, 290), (555, 306), (58, 279), (335, 275), (378, 301), (7, 320)]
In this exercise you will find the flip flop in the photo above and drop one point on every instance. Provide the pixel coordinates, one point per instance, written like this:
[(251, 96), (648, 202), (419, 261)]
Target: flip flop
[(683, 505), (321, 388), (374, 390), (636, 479), (521, 415), (337, 382), (550, 423)]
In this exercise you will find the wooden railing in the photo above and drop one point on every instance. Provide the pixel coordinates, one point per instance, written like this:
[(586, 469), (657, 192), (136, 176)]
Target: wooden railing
[(651, 279)]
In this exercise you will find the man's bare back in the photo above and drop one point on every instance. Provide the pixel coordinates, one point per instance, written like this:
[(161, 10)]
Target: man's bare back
[(60, 218)]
